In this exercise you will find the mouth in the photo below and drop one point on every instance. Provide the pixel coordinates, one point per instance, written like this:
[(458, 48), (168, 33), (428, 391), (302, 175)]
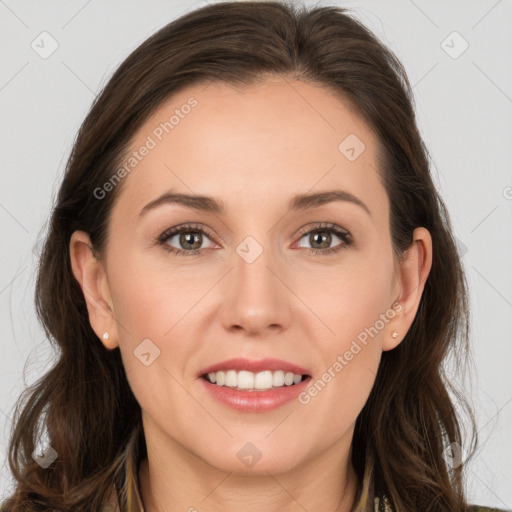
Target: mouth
[(254, 375), (257, 386), (244, 380)]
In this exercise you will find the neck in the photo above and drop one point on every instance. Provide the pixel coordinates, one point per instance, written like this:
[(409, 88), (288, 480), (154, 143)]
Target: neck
[(182, 482)]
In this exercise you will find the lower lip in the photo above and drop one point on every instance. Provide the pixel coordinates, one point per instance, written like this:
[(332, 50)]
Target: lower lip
[(255, 401)]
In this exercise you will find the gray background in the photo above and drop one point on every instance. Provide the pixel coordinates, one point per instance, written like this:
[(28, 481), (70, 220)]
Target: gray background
[(464, 107)]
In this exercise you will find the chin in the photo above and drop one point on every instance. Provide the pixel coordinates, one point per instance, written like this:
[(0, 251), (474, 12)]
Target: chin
[(253, 458)]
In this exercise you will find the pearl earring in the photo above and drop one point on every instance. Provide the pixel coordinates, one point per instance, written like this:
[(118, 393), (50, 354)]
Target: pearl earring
[(394, 334), (105, 336)]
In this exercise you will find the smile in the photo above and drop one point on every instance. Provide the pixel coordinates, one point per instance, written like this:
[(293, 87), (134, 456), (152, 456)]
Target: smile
[(244, 380)]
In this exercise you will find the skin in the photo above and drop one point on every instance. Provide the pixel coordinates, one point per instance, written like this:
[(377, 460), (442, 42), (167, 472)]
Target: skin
[(252, 148)]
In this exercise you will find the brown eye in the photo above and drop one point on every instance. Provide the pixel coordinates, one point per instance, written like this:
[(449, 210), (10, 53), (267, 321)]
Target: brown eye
[(191, 242), (321, 238), (190, 238)]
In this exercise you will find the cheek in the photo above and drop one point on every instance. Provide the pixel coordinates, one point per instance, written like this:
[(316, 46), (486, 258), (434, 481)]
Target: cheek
[(351, 300), (354, 305), (153, 321), (151, 296)]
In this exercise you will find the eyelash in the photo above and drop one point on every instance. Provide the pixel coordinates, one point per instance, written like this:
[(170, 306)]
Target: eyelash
[(196, 228)]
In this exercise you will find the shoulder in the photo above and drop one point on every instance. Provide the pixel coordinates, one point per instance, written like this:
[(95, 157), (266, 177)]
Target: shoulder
[(385, 507), (480, 508)]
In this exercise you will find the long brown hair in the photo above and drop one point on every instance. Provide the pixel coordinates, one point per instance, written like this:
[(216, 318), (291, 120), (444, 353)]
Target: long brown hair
[(84, 402)]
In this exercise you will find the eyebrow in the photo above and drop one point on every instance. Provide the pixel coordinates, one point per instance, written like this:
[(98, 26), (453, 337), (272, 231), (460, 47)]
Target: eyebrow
[(209, 204)]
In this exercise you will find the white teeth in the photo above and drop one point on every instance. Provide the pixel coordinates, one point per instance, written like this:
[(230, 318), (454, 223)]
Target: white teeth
[(288, 378), (245, 380), (278, 378), (263, 380), (230, 379)]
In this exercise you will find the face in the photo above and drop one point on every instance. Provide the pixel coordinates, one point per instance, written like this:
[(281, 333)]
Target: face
[(265, 275)]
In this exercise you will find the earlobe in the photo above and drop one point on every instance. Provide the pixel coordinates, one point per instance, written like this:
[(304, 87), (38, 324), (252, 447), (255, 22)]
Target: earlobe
[(415, 266), (91, 276)]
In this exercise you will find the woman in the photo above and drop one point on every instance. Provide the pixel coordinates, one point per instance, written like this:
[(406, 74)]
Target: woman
[(209, 359)]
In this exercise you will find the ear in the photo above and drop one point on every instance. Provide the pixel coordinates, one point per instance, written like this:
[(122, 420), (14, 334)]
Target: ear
[(91, 275), (414, 268)]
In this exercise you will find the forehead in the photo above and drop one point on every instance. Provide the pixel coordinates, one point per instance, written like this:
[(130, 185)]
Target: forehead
[(251, 144)]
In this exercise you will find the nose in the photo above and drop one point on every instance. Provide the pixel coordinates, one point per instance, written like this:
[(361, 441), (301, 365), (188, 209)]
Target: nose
[(257, 299)]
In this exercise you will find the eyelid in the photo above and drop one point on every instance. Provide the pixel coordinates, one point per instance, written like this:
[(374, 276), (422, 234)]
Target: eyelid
[(342, 233), (187, 226), (317, 226)]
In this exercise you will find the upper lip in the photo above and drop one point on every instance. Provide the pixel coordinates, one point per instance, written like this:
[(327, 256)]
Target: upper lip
[(251, 365)]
